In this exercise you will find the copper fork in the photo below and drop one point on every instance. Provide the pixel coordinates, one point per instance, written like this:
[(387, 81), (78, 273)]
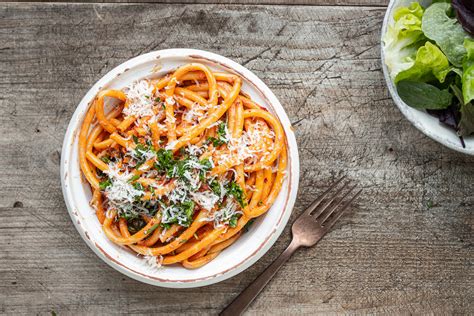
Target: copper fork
[(307, 230)]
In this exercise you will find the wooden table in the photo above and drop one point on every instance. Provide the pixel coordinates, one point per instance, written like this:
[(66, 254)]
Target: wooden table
[(408, 245)]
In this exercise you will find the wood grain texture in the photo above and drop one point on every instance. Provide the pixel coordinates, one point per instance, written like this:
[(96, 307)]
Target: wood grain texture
[(407, 247), (253, 2)]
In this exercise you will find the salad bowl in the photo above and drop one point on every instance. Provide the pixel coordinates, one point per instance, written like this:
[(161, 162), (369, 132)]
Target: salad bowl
[(428, 124)]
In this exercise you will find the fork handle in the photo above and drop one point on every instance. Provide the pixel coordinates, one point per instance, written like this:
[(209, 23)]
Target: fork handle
[(241, 302)]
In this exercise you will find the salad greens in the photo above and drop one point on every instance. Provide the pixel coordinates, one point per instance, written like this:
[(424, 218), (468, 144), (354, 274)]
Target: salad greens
[(431, 60), (445, 31)]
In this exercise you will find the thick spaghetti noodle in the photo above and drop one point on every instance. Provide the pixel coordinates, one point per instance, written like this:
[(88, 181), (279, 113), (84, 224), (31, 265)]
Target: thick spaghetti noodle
[(180, 165)]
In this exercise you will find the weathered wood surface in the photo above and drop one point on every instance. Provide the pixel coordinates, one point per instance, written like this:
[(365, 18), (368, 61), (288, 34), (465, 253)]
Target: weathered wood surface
[(407, 247), (257, 2)]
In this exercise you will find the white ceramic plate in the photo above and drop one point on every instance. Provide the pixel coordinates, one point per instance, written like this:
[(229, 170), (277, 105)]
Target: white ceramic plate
[(426, 123), (249, 247)]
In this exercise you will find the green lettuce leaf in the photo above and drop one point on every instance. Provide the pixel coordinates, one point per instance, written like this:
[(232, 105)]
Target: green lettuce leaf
[(448, 34), (468, 72), (420, 95), (430, 64), (403, 38)]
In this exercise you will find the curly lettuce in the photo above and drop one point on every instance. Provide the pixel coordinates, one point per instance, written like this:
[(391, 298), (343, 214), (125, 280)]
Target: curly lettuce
[(430, 64), (403, 38), (468, 72)]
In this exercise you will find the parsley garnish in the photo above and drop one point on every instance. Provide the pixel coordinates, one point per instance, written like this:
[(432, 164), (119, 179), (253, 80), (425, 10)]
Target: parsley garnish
[(233, 221), (165, 225), (105, 159), (234, 190), (221, 138), (104, 184), (134, 178), (138, 186), (164, 161), (215, 187), (152, 228), (184, 209)]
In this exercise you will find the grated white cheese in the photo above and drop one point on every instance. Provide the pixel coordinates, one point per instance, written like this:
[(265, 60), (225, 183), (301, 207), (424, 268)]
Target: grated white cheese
[(224, 214), (194, 150), (140, 98), (121, 192), (247, 146), (195, 114), (170, 214), (154, 262), (206, 199)]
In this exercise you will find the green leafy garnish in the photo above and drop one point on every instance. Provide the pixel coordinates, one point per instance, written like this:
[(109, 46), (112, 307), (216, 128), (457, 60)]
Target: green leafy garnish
[(138, 186), (104, 184), (234, 190), (221, 138), (233, 221), (164, 161), (135, 139), (134, 178), (105, 159), (152, 228), (215, 187), (165, 225)]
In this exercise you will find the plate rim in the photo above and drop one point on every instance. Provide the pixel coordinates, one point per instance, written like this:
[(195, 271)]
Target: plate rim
[(271, 101)]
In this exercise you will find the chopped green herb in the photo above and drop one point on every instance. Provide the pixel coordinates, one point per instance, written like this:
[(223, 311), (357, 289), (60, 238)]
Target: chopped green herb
[(182, 241), (157, 99), (188, 208), (234, 190), (221, 138), (152, 228), (164, 161), (233, 221), (138, 186), (134, 178), (215, 187), (135, 139), (104, 184), (165, 225), (206, 164), (105, 159)]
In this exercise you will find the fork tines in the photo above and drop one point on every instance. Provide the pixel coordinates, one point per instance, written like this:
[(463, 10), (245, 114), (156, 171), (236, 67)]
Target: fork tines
[(329, 207)]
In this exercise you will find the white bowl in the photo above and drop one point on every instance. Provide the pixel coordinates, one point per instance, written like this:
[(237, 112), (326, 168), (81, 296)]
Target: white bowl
[(249, 247), (425, 122)]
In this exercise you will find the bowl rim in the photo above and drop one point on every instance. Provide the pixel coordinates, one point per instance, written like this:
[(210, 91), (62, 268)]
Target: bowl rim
[(271, 102), (402, 106)]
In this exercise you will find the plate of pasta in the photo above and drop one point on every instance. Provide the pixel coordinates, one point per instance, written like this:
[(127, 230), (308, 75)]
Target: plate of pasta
[(180, 168)]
